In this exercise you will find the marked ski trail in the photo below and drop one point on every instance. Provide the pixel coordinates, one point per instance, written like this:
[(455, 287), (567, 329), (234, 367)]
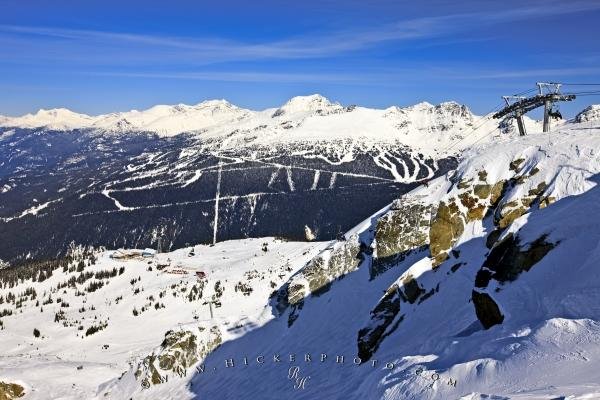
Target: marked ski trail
[(332, 180), (185, 203), (272, 179), (313, 169), (118, 204), (316, 180), (382, 161), (290, 180), (417, 168), (197, 175)]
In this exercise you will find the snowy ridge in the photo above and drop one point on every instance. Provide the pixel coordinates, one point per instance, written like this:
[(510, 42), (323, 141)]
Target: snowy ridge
[(590, 114), (58, 118), (161, 119), (302, 118)]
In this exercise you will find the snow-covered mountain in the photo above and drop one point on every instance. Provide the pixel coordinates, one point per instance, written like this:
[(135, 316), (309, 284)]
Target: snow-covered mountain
[(302, 118), (172, 120), (58, 118), (480, 284), (128, 179), (161, 119)]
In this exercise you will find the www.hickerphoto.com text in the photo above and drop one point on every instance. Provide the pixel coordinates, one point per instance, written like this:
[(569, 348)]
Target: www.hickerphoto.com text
[(322, 358)]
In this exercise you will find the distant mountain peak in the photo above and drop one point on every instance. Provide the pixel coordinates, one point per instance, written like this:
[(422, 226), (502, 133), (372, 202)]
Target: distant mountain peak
[(60, 112), (310, 104), (310, 118), (591, 113), (308, 99), (221, 104), (421, 105)]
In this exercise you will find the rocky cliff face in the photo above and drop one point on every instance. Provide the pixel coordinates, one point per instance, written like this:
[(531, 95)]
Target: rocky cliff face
[(437, 219), (419, 222), (507, 259), (179, 352), (469, 200), (401, 230), (317, 276)]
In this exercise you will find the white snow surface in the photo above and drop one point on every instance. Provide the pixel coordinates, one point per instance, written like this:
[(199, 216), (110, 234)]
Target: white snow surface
[(423, 127), (48, 365), (548, 345)]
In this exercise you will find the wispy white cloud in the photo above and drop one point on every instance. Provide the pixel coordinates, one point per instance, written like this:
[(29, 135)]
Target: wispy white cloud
[(528, 73), (243, 76), (93, 47), (389, 77)]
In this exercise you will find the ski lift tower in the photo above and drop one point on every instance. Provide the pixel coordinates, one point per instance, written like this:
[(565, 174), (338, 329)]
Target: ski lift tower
[(552, 89), (548, 94), (518, 113)]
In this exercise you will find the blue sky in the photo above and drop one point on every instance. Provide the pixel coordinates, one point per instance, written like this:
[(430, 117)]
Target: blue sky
[(101, 56)]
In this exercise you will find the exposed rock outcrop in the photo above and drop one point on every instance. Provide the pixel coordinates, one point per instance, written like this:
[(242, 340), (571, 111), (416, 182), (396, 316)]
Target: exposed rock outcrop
[(402, 229), (473, 201), (382, 316), (328, 266), (385, 316), (178, 352), (486, 309), (509, 211), (446, 228), (508, 259), (10, 391), (505, 262)]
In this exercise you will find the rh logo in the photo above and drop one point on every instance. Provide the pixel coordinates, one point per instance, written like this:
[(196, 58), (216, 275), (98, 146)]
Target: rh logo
[(299, 381)]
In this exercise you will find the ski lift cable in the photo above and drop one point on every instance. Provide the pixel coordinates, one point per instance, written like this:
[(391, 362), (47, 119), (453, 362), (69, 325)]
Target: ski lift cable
[(585, 93), (483, 137), (452, 145), (524, 92), (580, 84), (483, 122), (588, 94)]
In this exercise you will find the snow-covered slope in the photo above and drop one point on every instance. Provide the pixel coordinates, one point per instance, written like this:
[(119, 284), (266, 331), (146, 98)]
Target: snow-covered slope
[(98, 317), (305, 106), (480, 284), (283, 160), (508, 243), (162, 119)]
